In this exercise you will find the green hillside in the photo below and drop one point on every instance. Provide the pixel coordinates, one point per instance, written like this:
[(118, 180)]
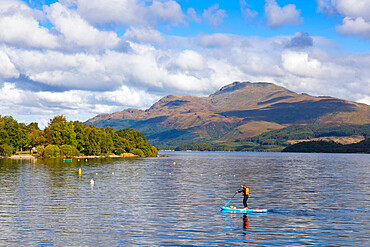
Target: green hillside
[(329, 147), (277, 140)]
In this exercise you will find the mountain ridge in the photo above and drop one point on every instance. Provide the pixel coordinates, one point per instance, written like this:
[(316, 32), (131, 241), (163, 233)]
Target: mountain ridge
[(240, 109)]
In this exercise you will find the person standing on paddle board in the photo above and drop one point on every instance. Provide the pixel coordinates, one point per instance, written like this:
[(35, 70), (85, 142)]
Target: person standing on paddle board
[(245, 192)]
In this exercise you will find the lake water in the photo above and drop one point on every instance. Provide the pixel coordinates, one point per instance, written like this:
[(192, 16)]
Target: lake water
[(313, 199)]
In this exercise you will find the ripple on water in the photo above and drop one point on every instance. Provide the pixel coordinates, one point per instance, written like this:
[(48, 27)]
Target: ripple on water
[(313, 199)]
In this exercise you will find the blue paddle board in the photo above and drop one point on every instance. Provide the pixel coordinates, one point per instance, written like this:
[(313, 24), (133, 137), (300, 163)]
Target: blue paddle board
[(242, 210)]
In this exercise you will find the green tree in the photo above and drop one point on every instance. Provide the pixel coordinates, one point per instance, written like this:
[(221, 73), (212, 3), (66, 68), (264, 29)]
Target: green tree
[(70, 134), (40, 150), (121, 144), (51, 151), (10, 132), (68, 151), (91, 140), (55, 131), (80, 135), (138, 152), (36, 135), (6, 149)]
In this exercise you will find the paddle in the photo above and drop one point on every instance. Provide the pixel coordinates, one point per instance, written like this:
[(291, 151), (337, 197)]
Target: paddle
[(232, 197)]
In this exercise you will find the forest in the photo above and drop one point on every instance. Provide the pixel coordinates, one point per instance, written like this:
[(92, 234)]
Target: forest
[(62, 138), (277, 140), (329, 147)]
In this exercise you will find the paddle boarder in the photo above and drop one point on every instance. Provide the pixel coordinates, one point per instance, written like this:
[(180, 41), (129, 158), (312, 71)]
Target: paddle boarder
[(245, 192)]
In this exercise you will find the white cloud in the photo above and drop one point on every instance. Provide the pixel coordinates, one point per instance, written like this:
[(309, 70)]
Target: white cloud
[(359, 8), (356, 15), (78, 31), (279, 16), (127, 97), (67, 99), (10, 94), (214, 40), (356, 26), (356, 19), (190, 60), (214, 15), (19, 27), (167, 11), (365, 99), (7, 68), (144, 35), (129, 12), (300, 64), (71, 71)]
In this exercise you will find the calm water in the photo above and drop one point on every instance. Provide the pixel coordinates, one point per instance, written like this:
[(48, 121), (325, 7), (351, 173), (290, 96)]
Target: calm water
[(313, 199)]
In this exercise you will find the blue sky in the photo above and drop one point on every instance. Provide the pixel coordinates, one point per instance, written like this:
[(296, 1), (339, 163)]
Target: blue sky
[(84, 57)]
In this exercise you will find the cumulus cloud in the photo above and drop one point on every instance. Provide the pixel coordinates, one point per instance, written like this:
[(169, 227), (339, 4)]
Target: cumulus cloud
[(356, 26), (7, 68), (356, 15), (214, 15), (78, 31), (19, 27), (9, 93), (144, 35), (300, 64), (126, 96), (129, 12), (277, 16), (168, 11), (190, 60), (359, 8)]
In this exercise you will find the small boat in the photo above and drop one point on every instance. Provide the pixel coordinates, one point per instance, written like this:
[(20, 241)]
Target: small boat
[(242, 210), (67, 159)]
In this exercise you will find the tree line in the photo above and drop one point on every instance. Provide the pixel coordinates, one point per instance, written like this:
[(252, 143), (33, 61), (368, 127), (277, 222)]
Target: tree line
[(277, 140), (329, 147), (301, 132), (70, 138)]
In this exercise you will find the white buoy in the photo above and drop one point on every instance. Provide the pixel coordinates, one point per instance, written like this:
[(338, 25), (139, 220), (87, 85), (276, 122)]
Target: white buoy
[(92, 181)]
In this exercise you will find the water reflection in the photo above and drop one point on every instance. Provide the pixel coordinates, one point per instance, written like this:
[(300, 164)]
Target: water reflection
[(237, 222), (246, 226)]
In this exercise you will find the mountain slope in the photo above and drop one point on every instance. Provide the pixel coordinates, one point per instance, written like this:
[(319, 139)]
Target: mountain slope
[(241, 109)]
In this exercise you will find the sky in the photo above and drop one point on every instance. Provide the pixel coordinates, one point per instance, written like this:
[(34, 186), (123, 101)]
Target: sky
[(81, 58)]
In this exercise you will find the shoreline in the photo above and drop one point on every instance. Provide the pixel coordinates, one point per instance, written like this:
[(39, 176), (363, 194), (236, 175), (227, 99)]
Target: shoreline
[(34, 156)]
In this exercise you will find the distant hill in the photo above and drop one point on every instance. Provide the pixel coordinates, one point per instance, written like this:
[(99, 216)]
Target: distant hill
[(329, 147), (236, 111)]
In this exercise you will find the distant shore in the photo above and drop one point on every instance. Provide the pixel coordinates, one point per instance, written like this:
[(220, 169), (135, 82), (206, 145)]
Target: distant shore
[(33, 156)]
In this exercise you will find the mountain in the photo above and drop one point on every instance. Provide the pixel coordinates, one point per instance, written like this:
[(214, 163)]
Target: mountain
[(238, 110)]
